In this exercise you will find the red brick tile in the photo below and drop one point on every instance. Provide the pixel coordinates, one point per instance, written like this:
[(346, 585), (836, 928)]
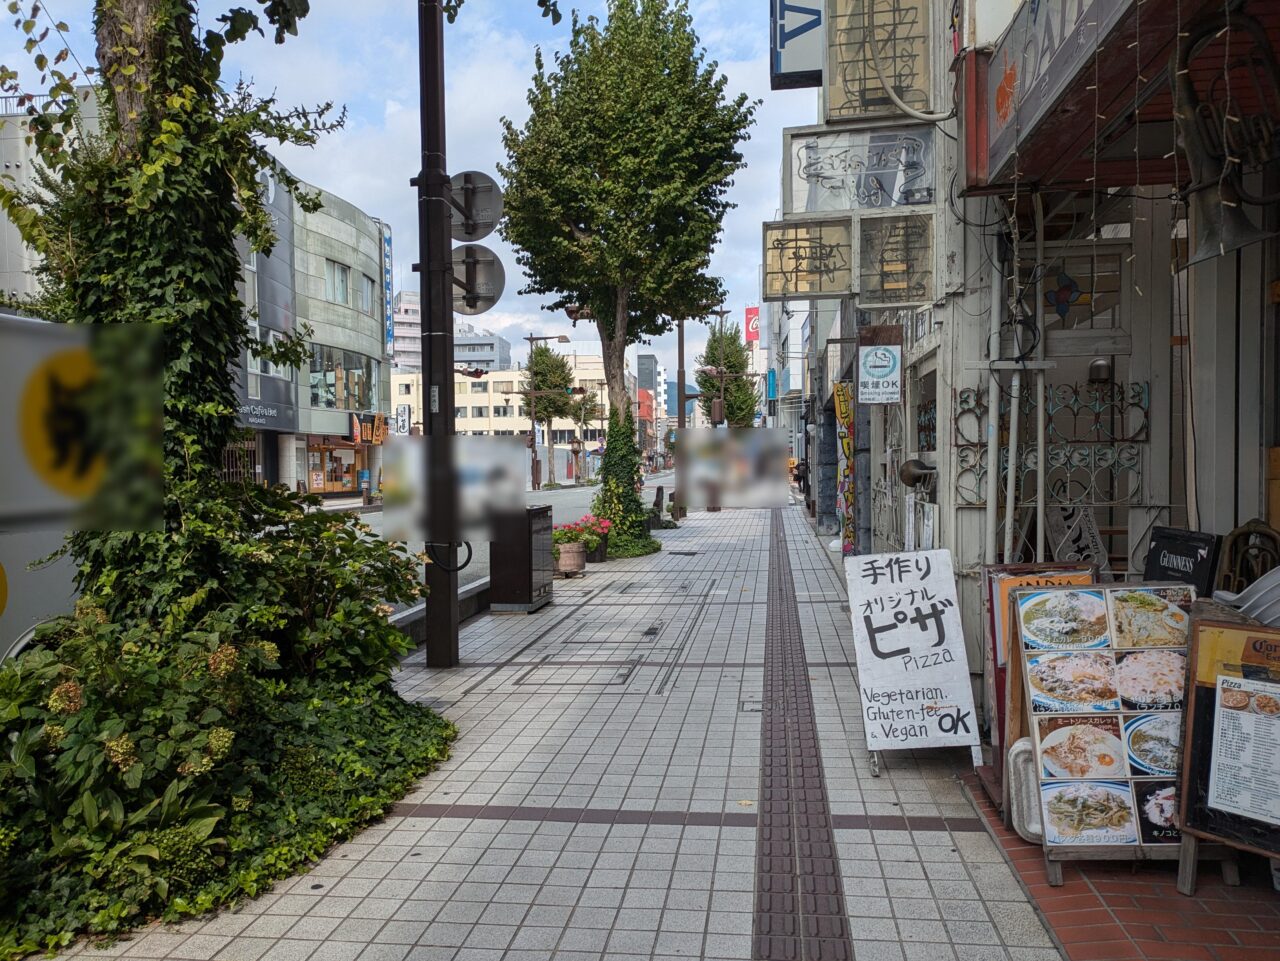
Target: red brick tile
[(1086, 933), (1124, 950), (1199, 935), (1260, 939), (1246, 954), (1164, 951), (1068, 919)]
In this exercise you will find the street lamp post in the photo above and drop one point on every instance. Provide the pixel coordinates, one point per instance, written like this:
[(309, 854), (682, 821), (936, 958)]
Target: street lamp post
[(436, 268)]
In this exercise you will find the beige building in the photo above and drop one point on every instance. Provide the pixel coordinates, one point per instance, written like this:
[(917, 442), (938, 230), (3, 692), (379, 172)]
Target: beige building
[(491, 405)]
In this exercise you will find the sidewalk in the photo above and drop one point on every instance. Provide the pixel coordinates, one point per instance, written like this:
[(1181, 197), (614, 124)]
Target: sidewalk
[(605, 797)]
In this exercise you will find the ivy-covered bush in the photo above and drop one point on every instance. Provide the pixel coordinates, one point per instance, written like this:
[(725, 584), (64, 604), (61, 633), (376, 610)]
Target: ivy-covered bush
[(618, 498)]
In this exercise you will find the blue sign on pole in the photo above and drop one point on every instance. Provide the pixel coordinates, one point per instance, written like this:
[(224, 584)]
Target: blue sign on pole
[(773, 384), (388, 311)]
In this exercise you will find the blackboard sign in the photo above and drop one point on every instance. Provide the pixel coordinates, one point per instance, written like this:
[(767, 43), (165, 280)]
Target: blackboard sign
[(1231, 763), (1187, 556)]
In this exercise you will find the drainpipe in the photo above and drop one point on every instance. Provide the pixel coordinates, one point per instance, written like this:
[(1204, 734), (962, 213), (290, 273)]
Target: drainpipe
[(1042, 400), (1011, 478), (993, 412)]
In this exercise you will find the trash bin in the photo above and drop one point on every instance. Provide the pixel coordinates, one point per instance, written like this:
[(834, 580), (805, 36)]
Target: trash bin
[(521, 566)]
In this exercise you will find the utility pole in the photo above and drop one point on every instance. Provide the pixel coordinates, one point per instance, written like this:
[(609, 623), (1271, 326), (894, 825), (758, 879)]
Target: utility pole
[(435, 266)]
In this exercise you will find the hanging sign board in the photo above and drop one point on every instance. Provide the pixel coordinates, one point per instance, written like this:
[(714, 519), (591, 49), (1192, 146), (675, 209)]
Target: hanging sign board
[(1187, 556), (1231, 759), (912, 670), (880, 365), (797, 42), (1105, 672)]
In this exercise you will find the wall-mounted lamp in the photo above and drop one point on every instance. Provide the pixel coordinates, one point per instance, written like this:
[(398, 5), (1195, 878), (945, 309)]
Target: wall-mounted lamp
[(915, 473), (1100, 371)]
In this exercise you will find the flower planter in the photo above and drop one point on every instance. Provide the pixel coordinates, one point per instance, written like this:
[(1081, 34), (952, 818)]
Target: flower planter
[(601, 553), (572, 559)]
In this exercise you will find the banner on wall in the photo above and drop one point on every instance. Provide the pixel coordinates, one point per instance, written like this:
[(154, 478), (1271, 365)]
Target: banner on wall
[(846, 489), (753, 325)]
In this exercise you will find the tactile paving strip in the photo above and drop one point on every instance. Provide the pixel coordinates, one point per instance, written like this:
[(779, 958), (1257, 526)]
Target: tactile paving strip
[(799, 907)]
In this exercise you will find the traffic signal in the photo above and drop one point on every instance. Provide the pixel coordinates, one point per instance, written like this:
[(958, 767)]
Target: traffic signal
[(575, 391)]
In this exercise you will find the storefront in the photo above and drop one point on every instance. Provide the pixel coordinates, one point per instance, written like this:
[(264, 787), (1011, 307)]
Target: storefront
[(350, 464)]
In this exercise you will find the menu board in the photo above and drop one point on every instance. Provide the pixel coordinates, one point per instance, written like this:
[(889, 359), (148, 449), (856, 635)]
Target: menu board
[(913, 675), (1231, 788), (998, 584), (1105, 672)]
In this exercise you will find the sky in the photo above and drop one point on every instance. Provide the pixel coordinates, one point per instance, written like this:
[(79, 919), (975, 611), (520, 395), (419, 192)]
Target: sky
[(364, 56)]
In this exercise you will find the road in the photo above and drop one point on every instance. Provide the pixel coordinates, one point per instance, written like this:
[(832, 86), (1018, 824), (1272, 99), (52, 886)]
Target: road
[(567, 505)]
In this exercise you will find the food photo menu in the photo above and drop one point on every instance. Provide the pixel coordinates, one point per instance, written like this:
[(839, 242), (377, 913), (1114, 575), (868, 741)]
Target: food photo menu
[(1105, 672)]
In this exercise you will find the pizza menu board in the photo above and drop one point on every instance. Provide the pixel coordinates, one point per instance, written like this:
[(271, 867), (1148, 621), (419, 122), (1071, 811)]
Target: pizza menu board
[(999, 582), (1105, 671), (1232, 754)]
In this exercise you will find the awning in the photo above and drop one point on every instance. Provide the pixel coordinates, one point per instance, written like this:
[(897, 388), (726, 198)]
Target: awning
[(1067, 71)]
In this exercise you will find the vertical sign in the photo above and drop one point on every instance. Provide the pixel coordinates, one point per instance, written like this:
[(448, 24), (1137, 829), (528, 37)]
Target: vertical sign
[(388, 312), (796, 43), (880, 365), (753, 325), (846, 489), (912, 670)]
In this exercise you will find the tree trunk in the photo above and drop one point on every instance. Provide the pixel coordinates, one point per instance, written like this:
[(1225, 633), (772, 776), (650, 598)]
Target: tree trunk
[(121, 25), (614, 348), (551, 457)]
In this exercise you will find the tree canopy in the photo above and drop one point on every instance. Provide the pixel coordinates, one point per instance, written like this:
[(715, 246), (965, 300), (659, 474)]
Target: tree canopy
[(726, 351), (616, 185)]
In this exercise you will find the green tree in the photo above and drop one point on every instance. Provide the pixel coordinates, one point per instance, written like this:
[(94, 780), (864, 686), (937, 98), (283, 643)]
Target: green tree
[(726, 352), (616, 184), (587, 409), (548, 383)]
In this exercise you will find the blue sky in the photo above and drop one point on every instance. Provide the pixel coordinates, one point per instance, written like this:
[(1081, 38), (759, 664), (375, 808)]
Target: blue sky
[(364, 55)]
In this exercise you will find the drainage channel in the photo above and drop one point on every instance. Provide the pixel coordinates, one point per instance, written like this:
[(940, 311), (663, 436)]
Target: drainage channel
[(799, 904)]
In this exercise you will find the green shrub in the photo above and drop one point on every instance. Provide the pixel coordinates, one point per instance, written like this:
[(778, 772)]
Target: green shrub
[(617, 498), (633, 546), (256, 563), (143, 779)]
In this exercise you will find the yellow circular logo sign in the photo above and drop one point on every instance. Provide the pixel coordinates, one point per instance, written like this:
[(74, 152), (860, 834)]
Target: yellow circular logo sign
[(54, 425)]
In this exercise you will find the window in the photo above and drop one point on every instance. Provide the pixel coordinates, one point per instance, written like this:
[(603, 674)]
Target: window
[(524, 411), (459, 387), (504, 433), (343, 379), (479, 411), (504, 411), (253, 382), (561, 436), (459, 413), (368, 294), (504, 387), (405, 390), (479, 387), (337, 279)]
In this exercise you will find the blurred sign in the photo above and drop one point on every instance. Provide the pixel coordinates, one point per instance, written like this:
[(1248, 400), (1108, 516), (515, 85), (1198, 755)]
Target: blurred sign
[(796, 43), (734, 468), (404, 416), (29, 595), (753, 325), (52, 468)]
